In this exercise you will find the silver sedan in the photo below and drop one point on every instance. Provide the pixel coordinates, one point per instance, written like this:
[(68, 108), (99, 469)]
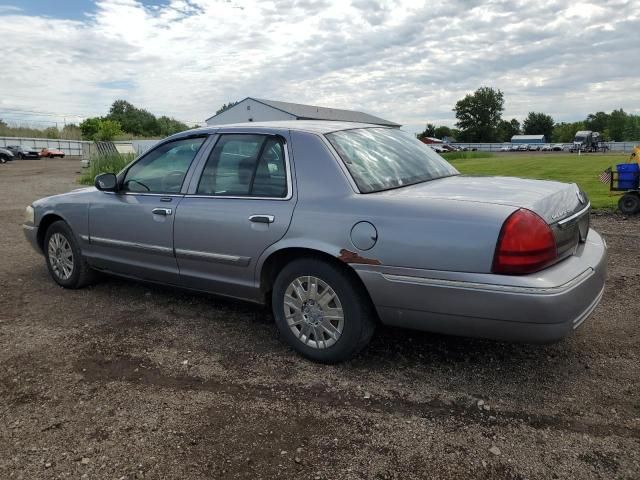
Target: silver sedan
[(338, 227)]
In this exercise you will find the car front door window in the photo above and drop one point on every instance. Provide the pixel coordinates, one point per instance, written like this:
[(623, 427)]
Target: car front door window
[(162, 170)]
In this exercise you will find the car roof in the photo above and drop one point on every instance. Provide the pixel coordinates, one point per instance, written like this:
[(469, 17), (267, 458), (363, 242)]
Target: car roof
[(312, 126)]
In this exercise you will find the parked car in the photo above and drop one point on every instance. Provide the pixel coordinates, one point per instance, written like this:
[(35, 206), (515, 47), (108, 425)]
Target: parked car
[(437, 147), (21, 152), (546, 148), (534, 147), (450, 148), (523, 148), (336, 226), (515, 147), (6, 155), (51, 153), (506, 148), (558, 147)]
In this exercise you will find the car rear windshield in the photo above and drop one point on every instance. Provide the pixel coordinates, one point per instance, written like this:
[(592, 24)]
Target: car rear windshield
[(384, 158)]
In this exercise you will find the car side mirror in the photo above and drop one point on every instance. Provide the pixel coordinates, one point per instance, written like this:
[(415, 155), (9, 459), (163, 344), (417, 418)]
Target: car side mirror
[(106, 182)]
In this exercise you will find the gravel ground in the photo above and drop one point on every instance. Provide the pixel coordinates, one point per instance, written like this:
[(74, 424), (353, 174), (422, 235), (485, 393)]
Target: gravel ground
[(124, 380)]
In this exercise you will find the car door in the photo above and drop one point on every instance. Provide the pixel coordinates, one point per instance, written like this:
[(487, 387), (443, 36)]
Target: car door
[(239, 203), (131, 230)]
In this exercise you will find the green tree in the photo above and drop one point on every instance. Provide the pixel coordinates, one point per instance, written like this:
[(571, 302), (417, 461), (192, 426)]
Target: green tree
[(632, 128), (226, 106), (442, 131), (507, 129), (538, 123), (135, 121), (89, 128), (429, 131), (100, 129), (565, 132), (598, 122), (140, 122), (478, 114), (108, 131), (71, 131), (617, 124), (168, 126), (51, 132)]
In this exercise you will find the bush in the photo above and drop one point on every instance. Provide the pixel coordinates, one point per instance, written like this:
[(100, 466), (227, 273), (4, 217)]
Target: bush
[(107, 163), (100, 129), (457, 155)]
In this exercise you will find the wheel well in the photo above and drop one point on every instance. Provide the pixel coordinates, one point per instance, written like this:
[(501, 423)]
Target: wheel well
[(277, 261), (46, 221)]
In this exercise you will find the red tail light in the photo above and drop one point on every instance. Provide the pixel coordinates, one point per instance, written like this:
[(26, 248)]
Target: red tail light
[(525, 245)]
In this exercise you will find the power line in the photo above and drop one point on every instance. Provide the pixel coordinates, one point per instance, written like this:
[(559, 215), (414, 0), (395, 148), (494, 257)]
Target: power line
[(17, 120), (43, 114)]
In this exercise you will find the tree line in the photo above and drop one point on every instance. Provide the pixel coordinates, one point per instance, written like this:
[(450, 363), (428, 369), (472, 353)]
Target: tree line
[(479, 119), (67, 132), (126, 119)]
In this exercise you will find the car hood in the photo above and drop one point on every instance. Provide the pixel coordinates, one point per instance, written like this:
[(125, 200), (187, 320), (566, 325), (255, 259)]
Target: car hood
[(45, 201), (551, 200)]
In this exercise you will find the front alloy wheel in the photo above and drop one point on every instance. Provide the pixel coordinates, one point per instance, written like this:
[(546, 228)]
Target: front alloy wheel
[(60, 256), (65, 262), (314, 312)]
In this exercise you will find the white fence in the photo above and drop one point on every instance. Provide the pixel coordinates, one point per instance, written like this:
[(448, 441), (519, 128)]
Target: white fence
[(495, 147), (72, 148), (69, 147)]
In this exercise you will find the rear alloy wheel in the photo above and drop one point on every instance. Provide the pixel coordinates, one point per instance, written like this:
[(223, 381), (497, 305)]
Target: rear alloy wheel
[(65, 262), (321, 312), (629, 204), (313, 312)]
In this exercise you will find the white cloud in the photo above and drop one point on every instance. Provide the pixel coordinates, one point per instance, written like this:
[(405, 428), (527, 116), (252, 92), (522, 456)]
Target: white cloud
[(397, 59), (4, 9)]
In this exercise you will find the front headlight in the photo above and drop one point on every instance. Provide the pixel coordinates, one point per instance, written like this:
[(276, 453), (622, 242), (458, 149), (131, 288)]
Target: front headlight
[(29, 216)]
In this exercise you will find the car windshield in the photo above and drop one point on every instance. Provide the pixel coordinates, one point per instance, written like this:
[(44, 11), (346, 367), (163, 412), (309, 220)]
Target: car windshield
[(384, 158), (579, 138)]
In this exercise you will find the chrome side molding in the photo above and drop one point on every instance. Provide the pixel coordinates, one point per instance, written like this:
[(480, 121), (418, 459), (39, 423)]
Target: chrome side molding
[(214, 257), (109, 242)]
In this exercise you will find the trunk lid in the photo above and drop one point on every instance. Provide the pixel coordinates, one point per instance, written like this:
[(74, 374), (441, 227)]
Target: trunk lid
[(553, 201), (562, 205)]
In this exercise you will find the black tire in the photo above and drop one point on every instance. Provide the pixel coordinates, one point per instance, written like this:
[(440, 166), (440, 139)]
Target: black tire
[(81, 274), (3, 158), (629, 204), (359, 316)]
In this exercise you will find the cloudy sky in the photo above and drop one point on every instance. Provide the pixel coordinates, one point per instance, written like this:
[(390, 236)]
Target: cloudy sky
[(406, 61)]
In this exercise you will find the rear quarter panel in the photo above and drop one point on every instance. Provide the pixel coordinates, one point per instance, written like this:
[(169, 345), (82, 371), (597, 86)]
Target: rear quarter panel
[(420, 233)]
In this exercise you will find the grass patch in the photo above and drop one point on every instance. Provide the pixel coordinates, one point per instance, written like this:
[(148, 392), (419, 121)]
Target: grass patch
[(564, 167), (109, 163), (458, 155)]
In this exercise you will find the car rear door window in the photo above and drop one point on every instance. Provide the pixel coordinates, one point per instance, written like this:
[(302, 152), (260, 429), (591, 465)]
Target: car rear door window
[(163, 169), (245, 166)]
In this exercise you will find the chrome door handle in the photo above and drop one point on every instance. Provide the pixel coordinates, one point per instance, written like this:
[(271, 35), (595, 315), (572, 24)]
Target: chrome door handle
[(262, 218), (162, 211)]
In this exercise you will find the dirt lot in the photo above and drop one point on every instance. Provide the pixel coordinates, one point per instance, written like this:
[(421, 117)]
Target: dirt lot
[(124, 380)]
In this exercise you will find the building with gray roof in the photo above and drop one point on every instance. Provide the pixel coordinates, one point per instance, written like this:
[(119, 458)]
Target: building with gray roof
[(262, 110)]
